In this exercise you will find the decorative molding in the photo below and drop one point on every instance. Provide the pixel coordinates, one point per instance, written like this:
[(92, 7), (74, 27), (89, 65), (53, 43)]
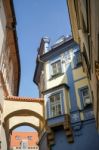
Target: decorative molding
[(50, 137), (24, 99), (68, 129)]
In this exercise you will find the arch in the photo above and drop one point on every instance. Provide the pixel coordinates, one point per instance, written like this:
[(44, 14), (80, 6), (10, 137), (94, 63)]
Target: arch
[(25, 123), (23, 112), (27, 108)]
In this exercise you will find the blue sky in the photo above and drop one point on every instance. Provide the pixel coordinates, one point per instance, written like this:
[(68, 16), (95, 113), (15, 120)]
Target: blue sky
[(36, 19)]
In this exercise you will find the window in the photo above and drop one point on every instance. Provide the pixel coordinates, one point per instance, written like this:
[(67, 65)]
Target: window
[(78, 59), (17, 137), (29, 137), (56, 68), (86, 97), (67, 56), (55, 105)]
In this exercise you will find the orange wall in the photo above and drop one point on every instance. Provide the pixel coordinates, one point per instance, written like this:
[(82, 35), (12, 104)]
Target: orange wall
[(24, 135)]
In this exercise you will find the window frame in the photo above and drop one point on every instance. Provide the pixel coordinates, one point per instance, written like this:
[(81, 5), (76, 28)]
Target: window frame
[(57, 68), (29, 137), (78, 61), (17, 137), (83, 103), (55, 105)]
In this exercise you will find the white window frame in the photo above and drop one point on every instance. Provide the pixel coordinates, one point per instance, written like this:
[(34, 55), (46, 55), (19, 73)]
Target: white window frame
[(86, 98), (78, 59), (57, 69), (56, 105)]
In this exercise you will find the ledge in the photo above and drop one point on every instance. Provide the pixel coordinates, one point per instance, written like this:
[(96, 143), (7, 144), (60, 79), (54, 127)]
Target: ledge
[(56, 76)]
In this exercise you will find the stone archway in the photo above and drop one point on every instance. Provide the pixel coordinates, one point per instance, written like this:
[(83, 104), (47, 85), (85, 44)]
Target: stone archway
[(22, 107), (26, 120), (24, 124), (23, 112)]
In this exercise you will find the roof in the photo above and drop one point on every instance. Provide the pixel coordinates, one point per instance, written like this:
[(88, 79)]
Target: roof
[(55, 50), (24, 99), (12, 40)]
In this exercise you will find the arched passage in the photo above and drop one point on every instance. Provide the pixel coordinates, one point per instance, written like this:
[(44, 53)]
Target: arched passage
[(23, 112), (23, 124), (24, 120)]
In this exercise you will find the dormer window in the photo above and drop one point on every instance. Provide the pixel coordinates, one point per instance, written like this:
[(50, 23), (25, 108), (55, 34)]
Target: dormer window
[(56, 68)]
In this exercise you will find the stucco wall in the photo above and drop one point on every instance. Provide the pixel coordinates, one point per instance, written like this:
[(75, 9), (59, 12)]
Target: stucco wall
[(43, 143), (3, 139), (87, 140)]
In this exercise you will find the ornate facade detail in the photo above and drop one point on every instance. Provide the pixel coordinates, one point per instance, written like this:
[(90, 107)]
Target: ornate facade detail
[(68, 129), (50, 137)]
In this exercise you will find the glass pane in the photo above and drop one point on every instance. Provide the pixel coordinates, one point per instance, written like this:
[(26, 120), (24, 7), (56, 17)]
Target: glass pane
[(52, 99), (78, 57), (53, 111), (85, 92), (59, 109), (54, 68), (59, 67), (57, 97), (55, 105)]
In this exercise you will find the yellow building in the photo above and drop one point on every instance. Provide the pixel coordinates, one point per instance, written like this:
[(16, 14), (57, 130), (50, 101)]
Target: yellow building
[(84, 17)]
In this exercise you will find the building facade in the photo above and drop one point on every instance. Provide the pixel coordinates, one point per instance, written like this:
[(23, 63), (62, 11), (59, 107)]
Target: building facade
[(24, 141), (9, 61), (69, 116), (84, 18)]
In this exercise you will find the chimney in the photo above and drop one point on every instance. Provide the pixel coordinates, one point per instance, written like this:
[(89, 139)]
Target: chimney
[(46, 44)]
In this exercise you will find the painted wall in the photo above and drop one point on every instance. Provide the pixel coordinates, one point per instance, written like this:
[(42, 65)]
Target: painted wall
[(72, 75), (85, 133), (43, 143), (86, 139), (3, 139)]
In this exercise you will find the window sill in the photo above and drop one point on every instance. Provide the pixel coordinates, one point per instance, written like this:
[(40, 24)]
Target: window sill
[(61, 115), (56, 76), (56, 121)]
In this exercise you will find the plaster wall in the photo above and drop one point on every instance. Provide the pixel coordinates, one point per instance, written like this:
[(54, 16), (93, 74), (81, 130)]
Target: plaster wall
[(78, 73), (83, 141), (14, 121), (3, 139), (13, 106)]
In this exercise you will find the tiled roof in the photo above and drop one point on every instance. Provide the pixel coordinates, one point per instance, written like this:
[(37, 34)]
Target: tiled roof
[(23, 99)]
